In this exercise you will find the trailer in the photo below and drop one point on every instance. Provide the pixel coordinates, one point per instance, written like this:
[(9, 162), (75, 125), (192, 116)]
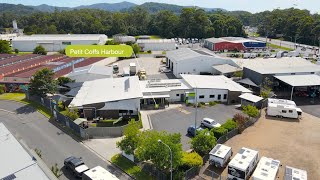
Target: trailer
[(126, 72), (294, 174), (220, 155), (283, 110), (98, 173), (267, 169), (281, 101), (133, 69), (243, 164)]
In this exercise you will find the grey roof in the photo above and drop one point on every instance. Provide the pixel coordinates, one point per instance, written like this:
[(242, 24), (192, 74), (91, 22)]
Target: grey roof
[(183, 54), (59, 97), (247, 81), (15, 160), (250, 97), (90, 73), (300, 80), (73, 92), (226, 68), (120, 105), (74, 84)]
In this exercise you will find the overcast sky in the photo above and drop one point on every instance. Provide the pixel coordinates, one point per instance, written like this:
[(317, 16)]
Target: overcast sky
[(248, 5)]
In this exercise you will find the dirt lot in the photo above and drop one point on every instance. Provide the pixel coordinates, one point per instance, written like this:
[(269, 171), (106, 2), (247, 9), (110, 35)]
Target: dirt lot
[(293, 142)]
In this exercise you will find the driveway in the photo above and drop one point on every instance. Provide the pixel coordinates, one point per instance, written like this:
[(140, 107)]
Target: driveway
[(179, 119), (54, 143)]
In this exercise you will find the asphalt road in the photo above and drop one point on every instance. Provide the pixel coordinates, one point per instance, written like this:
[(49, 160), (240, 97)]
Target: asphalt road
[(38, 132), (178, 120)]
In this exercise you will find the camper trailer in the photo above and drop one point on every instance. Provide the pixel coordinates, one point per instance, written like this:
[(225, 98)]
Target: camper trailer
[(267, 169), (281, 101), (294, 174), (283, 110), (243, 164), (220, 155), (126, 72), (98, 173), (133, 69)]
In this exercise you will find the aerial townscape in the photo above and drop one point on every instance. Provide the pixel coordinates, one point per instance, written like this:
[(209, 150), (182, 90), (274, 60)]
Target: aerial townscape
[(165, 90)]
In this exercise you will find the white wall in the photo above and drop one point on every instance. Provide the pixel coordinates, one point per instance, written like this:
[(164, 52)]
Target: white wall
[(158, 46), (208, 92), (174, 97)]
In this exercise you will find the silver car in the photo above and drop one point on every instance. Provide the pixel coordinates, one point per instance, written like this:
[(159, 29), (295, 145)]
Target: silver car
[(209, 123)]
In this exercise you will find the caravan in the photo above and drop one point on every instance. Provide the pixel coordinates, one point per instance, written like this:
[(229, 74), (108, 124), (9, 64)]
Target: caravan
[(281, 101), (294, 174), (220, 155), (283, 110), (243, 164), (267, 169)]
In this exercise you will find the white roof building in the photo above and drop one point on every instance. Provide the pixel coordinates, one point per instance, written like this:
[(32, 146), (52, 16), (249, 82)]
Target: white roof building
[(16, 162), (300, 80), (267, 169), (250, 97), (156, 44), (90, 73), (107, 90)]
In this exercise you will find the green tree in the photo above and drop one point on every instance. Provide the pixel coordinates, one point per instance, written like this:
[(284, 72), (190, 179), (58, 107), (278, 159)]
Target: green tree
[(136, 48), (219, 131), (71, 113), (251, 111), (64, 80), (40, 50), (266, 88), (230, 124), (149, 149), (2, 89), (190, 160), (203, 142), (42, 82), (129, 142), (5, 47)]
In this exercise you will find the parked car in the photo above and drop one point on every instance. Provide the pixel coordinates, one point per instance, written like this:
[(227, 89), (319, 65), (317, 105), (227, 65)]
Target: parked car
[(191, 130), (209, 123), (75, 165)]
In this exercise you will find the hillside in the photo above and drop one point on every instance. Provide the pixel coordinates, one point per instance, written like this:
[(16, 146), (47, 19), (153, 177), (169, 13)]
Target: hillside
[(12, 8)]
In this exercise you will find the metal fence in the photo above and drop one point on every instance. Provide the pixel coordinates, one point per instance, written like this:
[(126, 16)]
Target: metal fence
[(150, 168), (99, 132), (191, 173)]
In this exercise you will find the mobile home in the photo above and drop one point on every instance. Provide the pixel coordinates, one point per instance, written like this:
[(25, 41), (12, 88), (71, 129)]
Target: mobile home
[(283, 110), (98, 173), (294, 174), (281, 101), (220, 155), (243, 164), (267, 169)]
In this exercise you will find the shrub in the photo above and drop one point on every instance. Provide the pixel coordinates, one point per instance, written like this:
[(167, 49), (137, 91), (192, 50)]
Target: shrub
[(240, 119), (230, 125), (189, 104), (149, 51), (16, 51), (73, 114), (190, 160), (218, 132), (203, 142), (212, 103), (251, 111), (2, 89)]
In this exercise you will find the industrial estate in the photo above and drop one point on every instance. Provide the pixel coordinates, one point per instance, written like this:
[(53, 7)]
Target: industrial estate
[(186, 107)]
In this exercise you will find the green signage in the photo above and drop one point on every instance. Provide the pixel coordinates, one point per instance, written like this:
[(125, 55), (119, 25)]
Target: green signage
[(99, 51)]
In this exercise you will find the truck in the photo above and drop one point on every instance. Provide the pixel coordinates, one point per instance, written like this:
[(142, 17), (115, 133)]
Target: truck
[(267, 169), (283, 110), (115, 67), (220, 155), (133, 69), (243, 164), (98, 173), (292, 173), (76, 166), (142, 74)]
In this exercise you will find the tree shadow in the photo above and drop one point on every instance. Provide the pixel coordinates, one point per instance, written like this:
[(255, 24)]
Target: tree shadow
[(26, 109), (282, 119), (65, 130)]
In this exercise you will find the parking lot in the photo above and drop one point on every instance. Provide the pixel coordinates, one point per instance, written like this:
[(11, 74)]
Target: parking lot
[(179, 119), (293, 142)]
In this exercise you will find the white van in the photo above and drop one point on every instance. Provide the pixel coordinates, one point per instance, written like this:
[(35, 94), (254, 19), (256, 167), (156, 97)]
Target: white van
[(283, 110), (98, 173), (220, 155), (294, 174)]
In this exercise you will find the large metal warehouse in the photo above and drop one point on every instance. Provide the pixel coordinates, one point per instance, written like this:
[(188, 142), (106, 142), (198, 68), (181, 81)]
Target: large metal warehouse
[(233, 43), (56, 42), (183, 61), (156, 44)]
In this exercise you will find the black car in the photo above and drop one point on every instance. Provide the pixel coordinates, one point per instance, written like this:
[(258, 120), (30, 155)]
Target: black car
[(76, 165), (192, 129)]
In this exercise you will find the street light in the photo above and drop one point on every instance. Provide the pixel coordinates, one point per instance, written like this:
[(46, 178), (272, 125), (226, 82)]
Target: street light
[(160, 142)]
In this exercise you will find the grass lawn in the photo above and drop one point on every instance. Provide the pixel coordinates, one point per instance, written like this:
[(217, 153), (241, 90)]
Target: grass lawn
[(279, 47), (21, 97), (151, 37), (129, 167), (144, 52), (22, 53)]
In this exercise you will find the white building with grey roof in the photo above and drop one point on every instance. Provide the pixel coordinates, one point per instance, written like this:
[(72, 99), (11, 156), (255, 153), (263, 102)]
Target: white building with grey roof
[(188, 61), (156, 44), (56, 42)]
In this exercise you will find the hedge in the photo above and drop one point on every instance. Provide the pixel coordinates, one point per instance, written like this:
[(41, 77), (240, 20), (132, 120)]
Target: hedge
[(220, 131), (230, 125)]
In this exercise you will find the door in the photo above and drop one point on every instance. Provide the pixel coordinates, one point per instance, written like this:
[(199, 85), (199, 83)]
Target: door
[(182, 97)]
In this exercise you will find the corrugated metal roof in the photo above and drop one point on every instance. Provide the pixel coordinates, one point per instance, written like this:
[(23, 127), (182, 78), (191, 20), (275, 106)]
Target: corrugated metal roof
[(60, 37), (155, 41), (300, 80), (250, 97), (183, 54), (226, 68)]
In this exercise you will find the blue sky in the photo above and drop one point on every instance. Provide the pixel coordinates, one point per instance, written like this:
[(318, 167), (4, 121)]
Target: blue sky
[(248, 5)]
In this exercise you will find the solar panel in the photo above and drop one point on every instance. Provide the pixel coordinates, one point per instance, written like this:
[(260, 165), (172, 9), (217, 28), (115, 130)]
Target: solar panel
[(241, 151), (10, 177)]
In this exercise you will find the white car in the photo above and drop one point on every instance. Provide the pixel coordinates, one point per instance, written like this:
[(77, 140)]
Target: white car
[(209, 123)]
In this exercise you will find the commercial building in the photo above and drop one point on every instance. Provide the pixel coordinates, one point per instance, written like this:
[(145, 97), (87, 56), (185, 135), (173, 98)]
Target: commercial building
[(56, 42), (121, 38), (90, 73), (233, 43), (213, 88), (17, 160), (188, 61), (156, 44), (109, 97)]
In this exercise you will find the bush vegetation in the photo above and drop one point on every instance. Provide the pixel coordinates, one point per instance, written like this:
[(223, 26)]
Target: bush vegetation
[(190, 160), (218, 132)]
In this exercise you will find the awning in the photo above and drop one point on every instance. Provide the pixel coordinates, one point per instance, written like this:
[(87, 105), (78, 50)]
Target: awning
[(300, 80), (156, 96), (80, 120), (121, 105), (250, 97), (226, 68), (247, 81)]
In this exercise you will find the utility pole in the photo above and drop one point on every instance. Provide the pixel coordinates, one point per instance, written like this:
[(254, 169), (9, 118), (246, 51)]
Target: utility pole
[(159, 141), (196, 112)]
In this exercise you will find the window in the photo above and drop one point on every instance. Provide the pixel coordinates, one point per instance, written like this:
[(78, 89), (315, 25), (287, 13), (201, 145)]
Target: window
[(211, 96), (130, 111), (290, 111), (284, 111), (312, 72), (219, 96), (293, 73), (225, 96), (201, 96), (66, 43), (177, 94)]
